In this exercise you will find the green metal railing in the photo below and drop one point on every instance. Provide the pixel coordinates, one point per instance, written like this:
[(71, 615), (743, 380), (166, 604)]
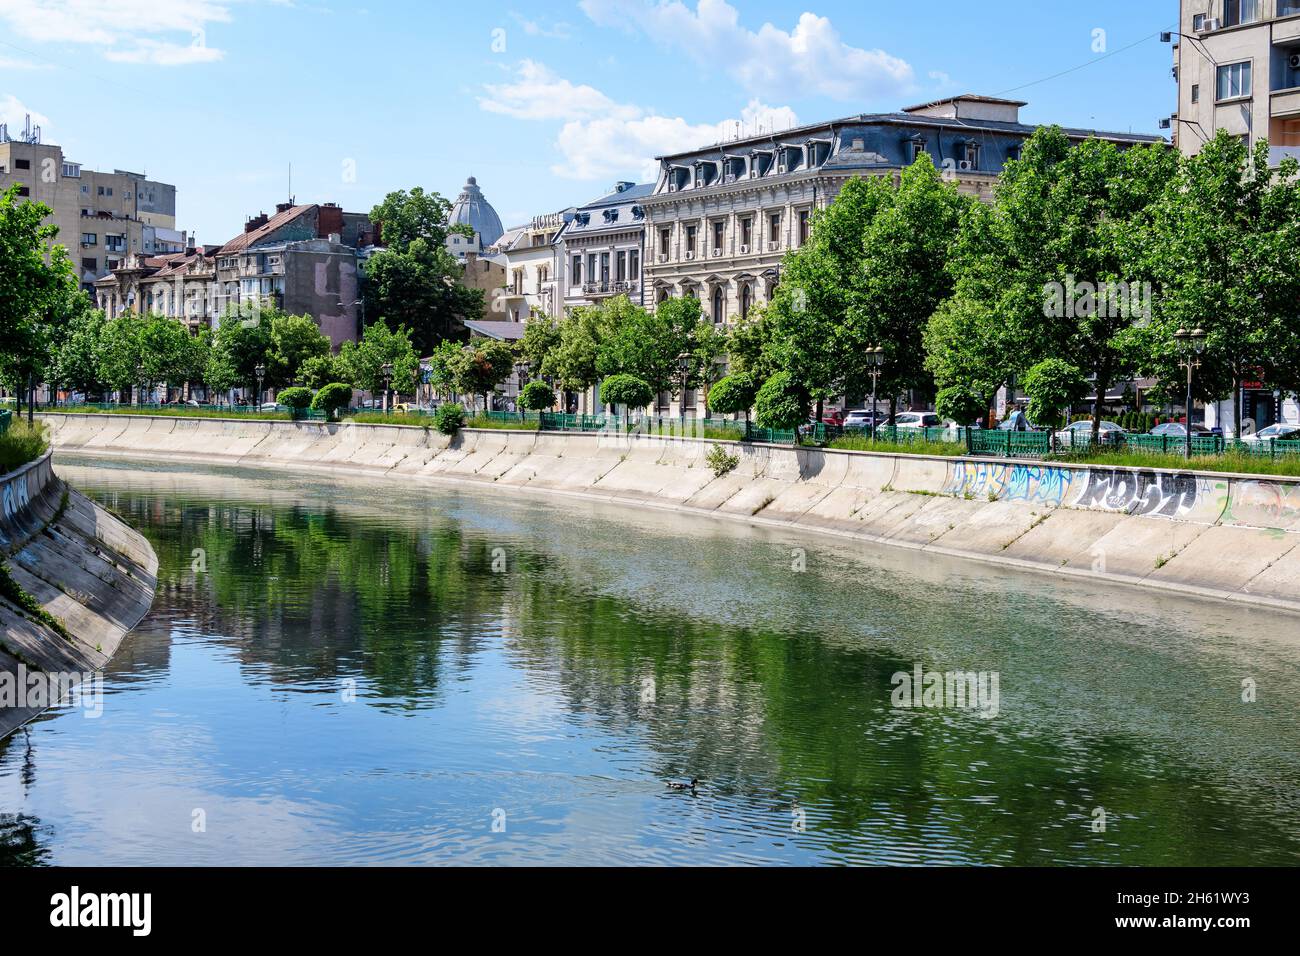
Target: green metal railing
[(226, 411)]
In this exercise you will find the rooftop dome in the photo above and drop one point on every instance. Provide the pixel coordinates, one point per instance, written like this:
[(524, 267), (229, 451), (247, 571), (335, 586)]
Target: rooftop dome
[(472, 210)]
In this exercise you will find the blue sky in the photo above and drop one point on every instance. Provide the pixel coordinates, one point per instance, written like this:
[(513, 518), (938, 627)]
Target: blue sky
[(547, 104)]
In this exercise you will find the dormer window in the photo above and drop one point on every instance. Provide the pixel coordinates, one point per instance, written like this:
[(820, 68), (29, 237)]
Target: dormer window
[(970, 155), (916, 147), (611, 215), (638, 212)]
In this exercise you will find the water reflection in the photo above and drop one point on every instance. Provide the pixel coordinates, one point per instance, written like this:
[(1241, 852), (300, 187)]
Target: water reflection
[(374, 672)]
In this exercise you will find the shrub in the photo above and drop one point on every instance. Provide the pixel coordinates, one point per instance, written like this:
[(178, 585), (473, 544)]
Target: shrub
[(781, 403), (721, 461), (449, 418), (20, 444), (1053, 386), (537, 397), (332, 399), (733, 394), (961, 404), (296, 398), (626, 390)]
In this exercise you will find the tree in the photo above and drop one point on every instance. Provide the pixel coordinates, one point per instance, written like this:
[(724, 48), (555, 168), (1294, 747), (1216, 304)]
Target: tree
[(782, 402), (419, 288), (449, 418), (961, 404), (1055, 270), (537, 396), (651, 346), (1053, 386), (295, 340), (119, 354), (481, 367), (35, 276), (319, 370), (239, 346), (166, 352), (409, 216), (76, 362), (574, 361), (902, 280), (296, 398), (1225, 248), (627, 390), (541, 339), (379, 345), (332, 399), (734, 394)]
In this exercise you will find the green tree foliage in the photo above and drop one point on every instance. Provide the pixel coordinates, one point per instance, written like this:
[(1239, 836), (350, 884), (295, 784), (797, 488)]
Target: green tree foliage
[(238, 347), (651, 346), (365, 359), (537, 396), (332, 399), (541, 339), (627, 390), (77, 361), (573, 362), (406, 217), (295, 397), (481, 366), (1053, 386), (1225, 248), (733, 394), (295, 340), (961, 404), (319, 370), (449, 418), (782, 402)]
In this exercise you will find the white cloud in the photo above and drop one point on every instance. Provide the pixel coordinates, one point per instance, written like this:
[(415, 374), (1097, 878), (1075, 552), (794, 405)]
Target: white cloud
[(536, 93), (811, 59), (599, 148), (173, 33), (536, 28), (15, 113), (6, 63)]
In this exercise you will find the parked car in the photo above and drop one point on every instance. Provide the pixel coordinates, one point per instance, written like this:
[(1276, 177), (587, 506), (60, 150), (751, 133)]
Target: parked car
[(1283, 431), (862, 418), (918, 420), (834, 417), (1179, 430), (270, 406), (1081, 433)]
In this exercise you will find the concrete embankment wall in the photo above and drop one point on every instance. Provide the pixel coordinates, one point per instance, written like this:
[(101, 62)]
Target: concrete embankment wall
[(90, 572), (1231, 537)]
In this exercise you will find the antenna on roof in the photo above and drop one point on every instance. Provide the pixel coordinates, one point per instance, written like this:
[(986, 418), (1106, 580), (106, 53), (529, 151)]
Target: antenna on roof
[(291, 180)]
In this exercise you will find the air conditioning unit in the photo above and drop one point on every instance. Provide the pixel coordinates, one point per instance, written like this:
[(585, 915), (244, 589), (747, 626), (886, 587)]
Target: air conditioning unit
[(672, 187), (663, 257), (717, 253), (781, 169), (773, 246), (753, 174), (1211, 24), (744, 250), (690, 256), (1293, 61)]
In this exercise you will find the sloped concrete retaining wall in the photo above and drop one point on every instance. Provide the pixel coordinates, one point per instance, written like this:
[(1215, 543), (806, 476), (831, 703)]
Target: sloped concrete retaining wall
[(1232, 537), (90, 572)]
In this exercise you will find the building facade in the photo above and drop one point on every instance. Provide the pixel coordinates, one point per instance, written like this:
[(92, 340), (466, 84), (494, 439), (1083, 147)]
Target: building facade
[(532, 269), (101, 217), (1237, 65), (721, 219), (601, 249)]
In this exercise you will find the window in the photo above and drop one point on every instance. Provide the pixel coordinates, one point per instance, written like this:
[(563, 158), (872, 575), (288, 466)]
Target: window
[(1198, 23), (22, 164), (1240, 11), (24, 191), (918, 148), (690, 240), (805, 219), (718, 231), (665, 240), (971, 155), (577, 270), (745, 298), (1196, 92), (717, 306), (1234, 81), (634, 264), (746, 232), (621, 267), (774, 227), (89, 238), (90, 265)]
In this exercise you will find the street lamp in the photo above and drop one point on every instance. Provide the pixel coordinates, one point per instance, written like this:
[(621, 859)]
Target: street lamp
[(386, 372), (521, 373), (684, 366), (875, 361), (426, 372), (259, 372), (1191, 345)]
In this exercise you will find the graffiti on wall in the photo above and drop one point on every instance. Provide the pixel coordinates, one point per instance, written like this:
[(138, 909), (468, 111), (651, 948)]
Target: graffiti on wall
[(1042, 484), (14, 497), (1264, 504), (1158, 494)]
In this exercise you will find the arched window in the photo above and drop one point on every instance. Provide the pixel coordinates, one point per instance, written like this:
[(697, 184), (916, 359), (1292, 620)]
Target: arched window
[(717, 306), (663, 296), (744, 301)]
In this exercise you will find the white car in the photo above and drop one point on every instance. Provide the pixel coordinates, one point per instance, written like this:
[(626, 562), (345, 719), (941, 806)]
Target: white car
[(1280, 432), (918, 420), (1080, 433), (861, 418)]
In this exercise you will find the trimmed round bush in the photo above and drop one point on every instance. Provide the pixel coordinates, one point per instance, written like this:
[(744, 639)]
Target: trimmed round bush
[(781, 404), (450, 418), (296, 398), (626, 390), (733, 394), (961, 405), (332, 399), (537, 397)]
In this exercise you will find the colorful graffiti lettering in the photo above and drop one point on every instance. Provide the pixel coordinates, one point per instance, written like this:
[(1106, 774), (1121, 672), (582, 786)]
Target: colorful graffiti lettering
[(1032, 483), (1165, 495)]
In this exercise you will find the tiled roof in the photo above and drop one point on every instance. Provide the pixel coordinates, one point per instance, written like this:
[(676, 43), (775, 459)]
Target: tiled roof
[(246, 239), (504, 331)]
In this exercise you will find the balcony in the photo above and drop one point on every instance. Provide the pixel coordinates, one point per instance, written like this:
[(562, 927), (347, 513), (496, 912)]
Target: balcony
[(619, 287), (1285, 102)]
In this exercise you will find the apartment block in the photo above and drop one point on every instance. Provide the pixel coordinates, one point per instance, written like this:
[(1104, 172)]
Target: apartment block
[(101, 217), (1237, 65)]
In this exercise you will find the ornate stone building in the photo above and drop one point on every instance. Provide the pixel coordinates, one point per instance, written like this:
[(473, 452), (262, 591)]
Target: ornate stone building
[(721, 219), (602, 248)]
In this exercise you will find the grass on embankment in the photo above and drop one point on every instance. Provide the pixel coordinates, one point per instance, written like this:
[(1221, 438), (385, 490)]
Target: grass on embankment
[(426, 421), (859, 443), (1231, 462), (20, 444), (184, 411)]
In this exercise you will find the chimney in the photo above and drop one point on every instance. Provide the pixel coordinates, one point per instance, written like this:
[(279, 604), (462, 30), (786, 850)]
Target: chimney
[(257, 222), (330, 221), (283, 207), (189, 244)]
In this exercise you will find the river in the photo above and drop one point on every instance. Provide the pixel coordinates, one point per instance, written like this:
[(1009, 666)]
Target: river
[(369, 671)]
